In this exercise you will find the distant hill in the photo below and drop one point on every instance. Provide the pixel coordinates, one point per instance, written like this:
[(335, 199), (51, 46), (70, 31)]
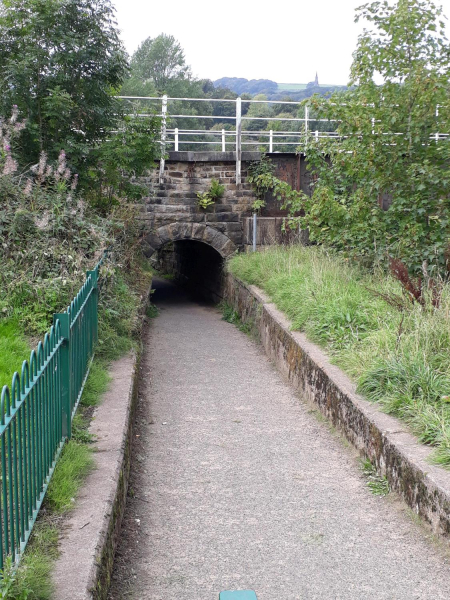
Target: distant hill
[(274, 90), (244, 86)]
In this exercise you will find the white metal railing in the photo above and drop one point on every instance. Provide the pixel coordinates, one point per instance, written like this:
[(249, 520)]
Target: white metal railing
[(238, 138)]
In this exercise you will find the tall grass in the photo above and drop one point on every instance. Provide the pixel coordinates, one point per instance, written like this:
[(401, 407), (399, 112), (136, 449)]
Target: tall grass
[(14, 349), (398, 358)]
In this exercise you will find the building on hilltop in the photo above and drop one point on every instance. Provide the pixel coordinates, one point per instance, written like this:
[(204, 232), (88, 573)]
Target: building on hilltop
[(314, 83)]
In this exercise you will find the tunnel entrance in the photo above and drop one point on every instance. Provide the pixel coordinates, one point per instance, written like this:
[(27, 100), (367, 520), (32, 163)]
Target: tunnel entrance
[(195, 265)]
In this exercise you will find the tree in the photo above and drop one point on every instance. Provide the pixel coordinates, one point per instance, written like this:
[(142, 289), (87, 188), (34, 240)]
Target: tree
[(60, 63), (382, 187), (161, 61)]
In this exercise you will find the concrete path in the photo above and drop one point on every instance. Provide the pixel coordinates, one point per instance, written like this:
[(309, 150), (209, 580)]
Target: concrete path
[(237, 484)]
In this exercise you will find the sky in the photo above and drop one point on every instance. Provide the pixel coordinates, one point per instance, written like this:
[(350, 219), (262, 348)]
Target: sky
[(286, 41)]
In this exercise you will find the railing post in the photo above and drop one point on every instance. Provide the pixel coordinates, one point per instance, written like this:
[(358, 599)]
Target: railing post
[(317, 135), (66, 374), (255, 224), (223, 141), (94, 280), (238, 139), (163, 138), (176, 139), (306, 126), (271, 140), (437, 124)]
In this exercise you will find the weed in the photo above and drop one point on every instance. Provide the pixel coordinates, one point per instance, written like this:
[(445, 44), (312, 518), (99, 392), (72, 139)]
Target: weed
[(377, 484), (75, 463), (152, 311), (232, 316)]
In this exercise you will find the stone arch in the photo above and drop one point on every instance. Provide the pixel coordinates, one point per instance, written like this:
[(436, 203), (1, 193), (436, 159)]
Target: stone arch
[(199, 232)]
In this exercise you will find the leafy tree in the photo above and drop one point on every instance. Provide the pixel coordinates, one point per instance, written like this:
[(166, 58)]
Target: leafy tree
[(382, 187), (258, 110), (60, 63), (126, 155), (161, 61)]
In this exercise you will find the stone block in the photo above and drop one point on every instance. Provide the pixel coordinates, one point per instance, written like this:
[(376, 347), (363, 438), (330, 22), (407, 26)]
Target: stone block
[(234, 227), (228, 248), (223, 217), (198, 231), (223, 208), (235, 236), (153, 239), (181, 231), (222, 227), (165, 234), (213, 237)]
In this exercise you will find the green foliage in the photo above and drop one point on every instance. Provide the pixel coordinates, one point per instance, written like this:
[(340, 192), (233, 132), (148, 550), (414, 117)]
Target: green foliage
[(161, 61), (9, 584), (397, 353), (264, 181), (386, 152), (73, 466), (204, 200), (61, 61), (232, 316), (378, 485), (215, 192), (124, 156), (13, 350)]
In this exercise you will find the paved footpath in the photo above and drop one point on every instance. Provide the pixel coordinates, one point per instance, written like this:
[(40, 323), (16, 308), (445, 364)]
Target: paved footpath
[(237, 484)]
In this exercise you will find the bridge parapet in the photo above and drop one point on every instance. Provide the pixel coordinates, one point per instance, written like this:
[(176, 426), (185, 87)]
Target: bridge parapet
[(185, 175), (174, 202)]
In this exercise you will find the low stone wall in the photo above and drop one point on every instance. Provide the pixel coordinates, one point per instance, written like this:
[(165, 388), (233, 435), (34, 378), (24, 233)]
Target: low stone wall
[(92, 530), (381, 438)]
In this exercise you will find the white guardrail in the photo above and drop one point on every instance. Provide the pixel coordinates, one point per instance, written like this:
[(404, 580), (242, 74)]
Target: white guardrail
[(225, 140)]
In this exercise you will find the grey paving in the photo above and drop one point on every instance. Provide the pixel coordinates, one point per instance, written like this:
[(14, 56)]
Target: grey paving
[(237, 484)]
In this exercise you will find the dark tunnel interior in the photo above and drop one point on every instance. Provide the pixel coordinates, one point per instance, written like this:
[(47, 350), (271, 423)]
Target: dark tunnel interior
[(196, 266)]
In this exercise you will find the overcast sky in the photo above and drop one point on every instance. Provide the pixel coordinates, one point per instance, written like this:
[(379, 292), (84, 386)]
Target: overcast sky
[(286, 41)]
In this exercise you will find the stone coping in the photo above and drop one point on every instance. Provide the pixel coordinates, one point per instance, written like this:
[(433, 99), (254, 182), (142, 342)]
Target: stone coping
[(192, 156), (383, 439), (91, 532)]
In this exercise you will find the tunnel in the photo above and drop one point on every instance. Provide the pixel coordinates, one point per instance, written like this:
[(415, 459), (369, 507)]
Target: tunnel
[(195, 265)]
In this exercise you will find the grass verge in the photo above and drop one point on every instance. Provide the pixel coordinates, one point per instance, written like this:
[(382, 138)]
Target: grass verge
[(121, 297), (398, 357), (14, 349)]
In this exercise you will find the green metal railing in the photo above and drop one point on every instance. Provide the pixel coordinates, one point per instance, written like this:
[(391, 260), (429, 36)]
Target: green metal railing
[(36, 415)]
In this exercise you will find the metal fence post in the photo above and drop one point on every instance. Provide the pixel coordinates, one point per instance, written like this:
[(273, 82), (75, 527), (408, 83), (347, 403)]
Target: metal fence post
[(94, 280), (176, 139), (254, 231), (223, 141), (238, 139), (437, 123), (271, 140), (163, 138), (66, 374)]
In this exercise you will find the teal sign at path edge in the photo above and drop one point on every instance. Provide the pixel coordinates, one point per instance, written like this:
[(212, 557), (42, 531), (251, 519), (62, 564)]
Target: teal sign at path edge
[(238, 595)]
